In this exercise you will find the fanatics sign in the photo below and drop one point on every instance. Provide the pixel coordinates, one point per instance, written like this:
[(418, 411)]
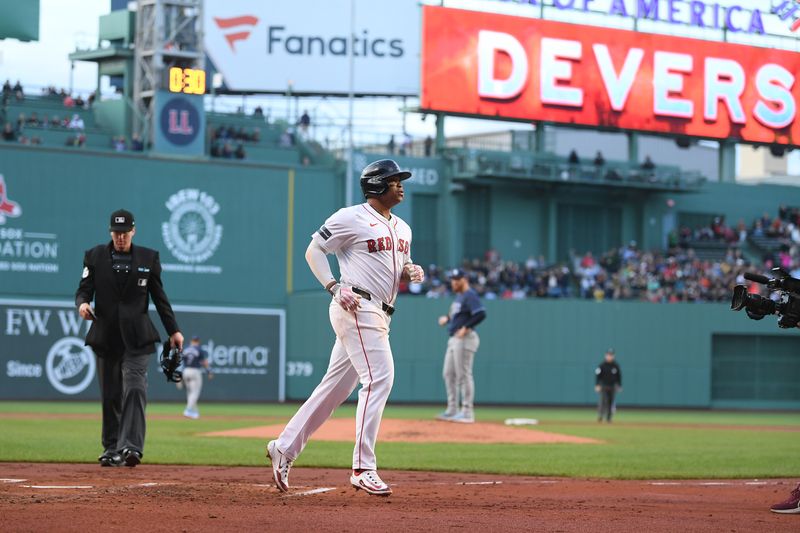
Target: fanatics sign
[(527, 69)]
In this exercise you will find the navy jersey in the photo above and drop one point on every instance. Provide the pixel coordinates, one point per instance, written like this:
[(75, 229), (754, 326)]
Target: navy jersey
[(193, 356), (466, 304)]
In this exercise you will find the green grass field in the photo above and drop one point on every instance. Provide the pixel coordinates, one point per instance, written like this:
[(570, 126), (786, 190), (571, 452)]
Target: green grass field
[(641, 444)]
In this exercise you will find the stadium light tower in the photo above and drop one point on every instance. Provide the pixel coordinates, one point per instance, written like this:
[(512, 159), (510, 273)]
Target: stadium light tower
[(169, 33)]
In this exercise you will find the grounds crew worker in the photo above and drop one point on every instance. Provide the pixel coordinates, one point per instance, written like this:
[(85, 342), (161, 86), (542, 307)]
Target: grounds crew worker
[(121, 278), (608, 382)]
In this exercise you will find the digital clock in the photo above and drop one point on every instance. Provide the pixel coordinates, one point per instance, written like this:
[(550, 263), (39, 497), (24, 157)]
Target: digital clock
[(187, 80)]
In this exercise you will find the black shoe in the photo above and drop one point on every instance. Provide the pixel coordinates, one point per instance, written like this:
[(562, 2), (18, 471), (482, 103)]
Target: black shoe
[(131, 457), (110, 459)]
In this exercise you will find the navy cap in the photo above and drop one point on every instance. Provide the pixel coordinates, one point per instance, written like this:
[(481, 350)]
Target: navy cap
[(456, 273), (196, 338), (121, 220), (610, 351)]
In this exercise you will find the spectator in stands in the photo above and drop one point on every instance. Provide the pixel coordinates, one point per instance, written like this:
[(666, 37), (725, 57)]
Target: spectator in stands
[(227, 150), (119, 144), (7, 87), (428, 146), (136, 143), (76, 123), (79, 101), (21, 121), (33, 120), (304, 123), (91, 99), (390, 145), (78, 140), (573, 158), (55, 121), (239, 153), (68, 101), (19, 94), (9, 135), (648, 164), (599, 163), (256, 135), (258, 112)]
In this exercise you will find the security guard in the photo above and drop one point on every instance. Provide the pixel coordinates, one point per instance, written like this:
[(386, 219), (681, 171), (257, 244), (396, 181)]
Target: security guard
[(608, 382), (121, 278)]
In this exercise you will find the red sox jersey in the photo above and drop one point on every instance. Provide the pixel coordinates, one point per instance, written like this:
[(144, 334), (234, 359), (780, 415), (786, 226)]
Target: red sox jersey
[(371, 250)]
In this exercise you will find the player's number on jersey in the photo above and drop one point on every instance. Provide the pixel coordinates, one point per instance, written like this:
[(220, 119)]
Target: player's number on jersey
[(299, 368)]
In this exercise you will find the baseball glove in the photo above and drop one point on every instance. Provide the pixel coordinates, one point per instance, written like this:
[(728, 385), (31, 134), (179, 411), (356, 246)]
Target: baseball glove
[(170, 360)]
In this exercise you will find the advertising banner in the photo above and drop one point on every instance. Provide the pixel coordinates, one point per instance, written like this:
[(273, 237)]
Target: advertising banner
[(43, 356), (538, 70), (304, 46)]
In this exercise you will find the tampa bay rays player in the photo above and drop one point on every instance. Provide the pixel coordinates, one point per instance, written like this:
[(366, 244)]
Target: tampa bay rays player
[(373, 249)]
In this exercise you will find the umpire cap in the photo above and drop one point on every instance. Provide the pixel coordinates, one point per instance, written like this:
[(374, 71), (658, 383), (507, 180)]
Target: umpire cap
[(121, 220), (376, 174)]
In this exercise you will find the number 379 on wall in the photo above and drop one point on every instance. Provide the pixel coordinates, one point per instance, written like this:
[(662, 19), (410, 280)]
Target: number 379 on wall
[(299, 368)]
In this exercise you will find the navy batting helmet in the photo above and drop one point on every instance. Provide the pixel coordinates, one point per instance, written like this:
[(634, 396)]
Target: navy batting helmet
[(376, 174)]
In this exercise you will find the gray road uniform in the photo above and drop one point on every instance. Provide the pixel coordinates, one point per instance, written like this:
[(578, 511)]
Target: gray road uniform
[(466, 311)]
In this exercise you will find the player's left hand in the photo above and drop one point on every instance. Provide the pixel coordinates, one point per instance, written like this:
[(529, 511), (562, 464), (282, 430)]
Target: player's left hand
[(462, 332), (415, 273), (176, 340)]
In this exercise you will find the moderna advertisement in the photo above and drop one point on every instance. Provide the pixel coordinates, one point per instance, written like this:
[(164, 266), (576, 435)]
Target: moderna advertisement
[(538, 70)]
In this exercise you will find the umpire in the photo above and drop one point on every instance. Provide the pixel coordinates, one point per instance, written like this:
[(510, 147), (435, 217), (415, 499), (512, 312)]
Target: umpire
[(608, 382), (121, 278)]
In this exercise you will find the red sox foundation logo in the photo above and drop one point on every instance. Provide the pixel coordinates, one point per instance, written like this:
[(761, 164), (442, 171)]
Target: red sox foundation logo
[(8, 208), (240, 27)]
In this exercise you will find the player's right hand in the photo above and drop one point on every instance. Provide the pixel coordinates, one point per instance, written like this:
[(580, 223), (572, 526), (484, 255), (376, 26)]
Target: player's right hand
[(346, 298), (86, 311), (443, 320), (597, 388)]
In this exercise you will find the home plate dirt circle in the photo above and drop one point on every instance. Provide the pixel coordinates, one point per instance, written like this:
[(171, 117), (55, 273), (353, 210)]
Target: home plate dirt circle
[(397, 430)]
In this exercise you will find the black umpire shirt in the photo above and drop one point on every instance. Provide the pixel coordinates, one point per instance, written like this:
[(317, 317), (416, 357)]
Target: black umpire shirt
[(121, 308), (608, 374)]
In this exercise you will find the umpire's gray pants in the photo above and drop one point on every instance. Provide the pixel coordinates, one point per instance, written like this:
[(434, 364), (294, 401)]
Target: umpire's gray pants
[(457, 372), (123, 393)]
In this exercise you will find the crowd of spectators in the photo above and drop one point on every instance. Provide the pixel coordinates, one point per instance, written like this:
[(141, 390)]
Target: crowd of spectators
[(629, 273), (227, 142)]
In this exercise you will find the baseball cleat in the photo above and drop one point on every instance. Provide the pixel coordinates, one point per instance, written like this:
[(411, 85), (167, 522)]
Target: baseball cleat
[(370, 482), (131, 457), (280, 466), (463, 418), (110, 459), (791, 505), (446, 417)]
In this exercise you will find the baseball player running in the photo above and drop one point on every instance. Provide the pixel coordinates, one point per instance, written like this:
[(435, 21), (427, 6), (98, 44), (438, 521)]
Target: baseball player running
[(373, 249)]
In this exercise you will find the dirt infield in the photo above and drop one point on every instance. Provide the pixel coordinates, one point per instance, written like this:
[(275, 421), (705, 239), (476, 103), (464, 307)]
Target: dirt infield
[(400, 430), (59, 497)]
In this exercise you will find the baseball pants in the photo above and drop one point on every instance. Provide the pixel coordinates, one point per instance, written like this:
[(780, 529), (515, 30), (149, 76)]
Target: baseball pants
[(362, 354), (457, 372), (123, 393), (193, 381), (605, 405)]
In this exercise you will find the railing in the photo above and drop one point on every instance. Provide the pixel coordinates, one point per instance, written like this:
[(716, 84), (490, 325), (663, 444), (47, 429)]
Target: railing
[(549, 167)]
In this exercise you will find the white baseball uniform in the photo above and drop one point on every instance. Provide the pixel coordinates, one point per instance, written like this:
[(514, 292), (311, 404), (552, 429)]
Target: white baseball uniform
[(371, 252)]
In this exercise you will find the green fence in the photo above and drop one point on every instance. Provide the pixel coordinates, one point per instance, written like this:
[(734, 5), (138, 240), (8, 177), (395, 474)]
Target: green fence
[(545, 352)]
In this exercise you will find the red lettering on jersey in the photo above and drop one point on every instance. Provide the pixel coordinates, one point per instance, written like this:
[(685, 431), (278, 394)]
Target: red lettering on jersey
[(371, 246), (400, 243), (381, 244), (406, 249), (389, 244)]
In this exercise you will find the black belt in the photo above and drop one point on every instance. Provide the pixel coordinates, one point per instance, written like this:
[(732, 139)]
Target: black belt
[(388, 309)]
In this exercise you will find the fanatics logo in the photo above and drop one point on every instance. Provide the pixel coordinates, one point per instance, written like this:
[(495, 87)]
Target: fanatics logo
[(236, 23)]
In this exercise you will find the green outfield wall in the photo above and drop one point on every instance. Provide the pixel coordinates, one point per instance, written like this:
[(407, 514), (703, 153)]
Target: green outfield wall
[(545, 352), (232, 237)]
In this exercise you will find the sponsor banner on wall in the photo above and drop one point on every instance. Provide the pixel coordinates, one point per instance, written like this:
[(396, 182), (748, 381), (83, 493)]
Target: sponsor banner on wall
[(43, 355), (538, 70), (26, 245), (191, 233), (304, 46)]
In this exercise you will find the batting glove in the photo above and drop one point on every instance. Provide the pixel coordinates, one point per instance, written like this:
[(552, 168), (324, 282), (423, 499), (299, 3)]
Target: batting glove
[(345, 297), (416, 274)]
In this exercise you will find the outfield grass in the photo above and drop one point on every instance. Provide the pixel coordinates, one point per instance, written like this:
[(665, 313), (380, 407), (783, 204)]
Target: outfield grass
[(641, 444)]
